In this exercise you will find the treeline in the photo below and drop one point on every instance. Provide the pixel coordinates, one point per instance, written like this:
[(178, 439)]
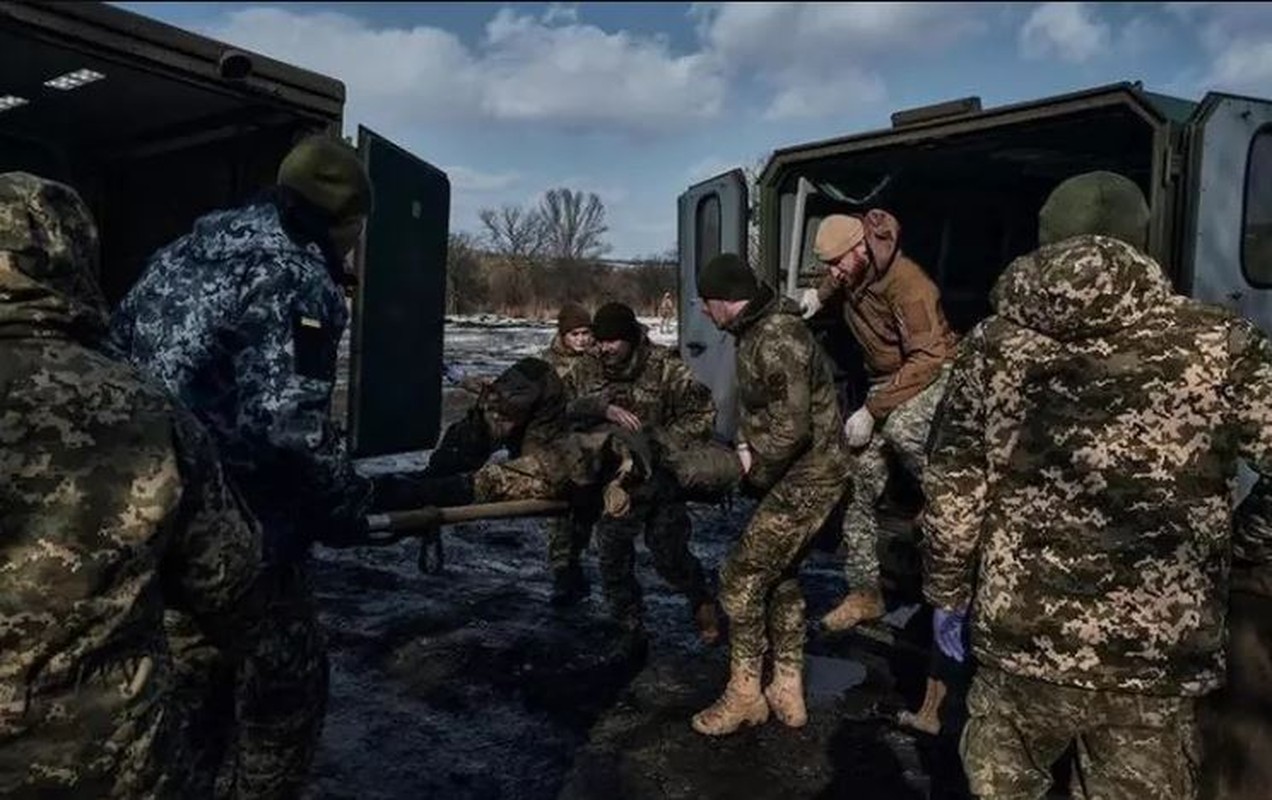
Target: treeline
[(529, 261)]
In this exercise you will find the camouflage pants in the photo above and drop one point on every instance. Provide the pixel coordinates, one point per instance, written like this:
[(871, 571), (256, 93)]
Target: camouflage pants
[(759, 586), (905, 433), (567, 539), (1130, 747), (666, 527), (254, 725)]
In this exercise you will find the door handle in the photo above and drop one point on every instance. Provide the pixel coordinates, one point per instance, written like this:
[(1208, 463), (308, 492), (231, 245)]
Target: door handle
[(696, 348)]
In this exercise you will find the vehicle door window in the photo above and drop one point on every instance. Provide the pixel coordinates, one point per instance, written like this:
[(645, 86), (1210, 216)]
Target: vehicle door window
[(1256, 225)]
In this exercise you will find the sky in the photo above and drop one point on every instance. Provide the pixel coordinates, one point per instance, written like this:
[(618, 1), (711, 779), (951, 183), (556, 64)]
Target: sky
[(638, 101)]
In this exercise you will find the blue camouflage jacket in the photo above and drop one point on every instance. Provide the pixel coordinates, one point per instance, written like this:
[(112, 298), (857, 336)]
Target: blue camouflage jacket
[(242, 323)]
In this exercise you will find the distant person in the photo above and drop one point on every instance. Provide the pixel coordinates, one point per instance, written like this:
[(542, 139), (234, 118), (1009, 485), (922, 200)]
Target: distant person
[(114, 509), (794, 459), (894, 310), (1079, 506), (241, 319), (666, 312), (572, 354)]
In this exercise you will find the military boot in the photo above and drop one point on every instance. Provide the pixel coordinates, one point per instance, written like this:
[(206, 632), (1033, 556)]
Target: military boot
[(741, 704), (785, 695), (569, 586), (707, 622), (859, 606)]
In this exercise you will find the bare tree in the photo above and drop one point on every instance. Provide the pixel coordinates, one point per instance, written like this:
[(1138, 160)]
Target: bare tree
[(513, 231), (573, 225)]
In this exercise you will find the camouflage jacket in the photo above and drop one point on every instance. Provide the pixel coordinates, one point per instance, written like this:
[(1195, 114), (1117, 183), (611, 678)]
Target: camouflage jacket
[(658, 387), (1081, 469), (788, 408), (580, 372), (242, 324), (114, 507)]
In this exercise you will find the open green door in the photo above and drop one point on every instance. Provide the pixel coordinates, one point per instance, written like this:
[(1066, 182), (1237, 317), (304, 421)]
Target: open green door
[(395, 374)]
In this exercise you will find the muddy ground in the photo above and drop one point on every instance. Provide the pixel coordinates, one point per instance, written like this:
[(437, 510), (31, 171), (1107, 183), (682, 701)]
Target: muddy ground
[(469, 685)]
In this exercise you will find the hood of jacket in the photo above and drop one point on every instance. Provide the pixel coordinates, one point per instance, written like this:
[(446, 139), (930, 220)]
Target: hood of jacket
[(48, 262), (1080, 288)]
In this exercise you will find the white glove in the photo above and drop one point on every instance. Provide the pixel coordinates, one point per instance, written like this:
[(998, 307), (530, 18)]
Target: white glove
[(744, 456), (809, 303), (859, 428)]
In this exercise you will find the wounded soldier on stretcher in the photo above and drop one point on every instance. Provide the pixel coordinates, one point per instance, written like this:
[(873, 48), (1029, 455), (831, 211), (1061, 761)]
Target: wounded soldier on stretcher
[(525, 412)]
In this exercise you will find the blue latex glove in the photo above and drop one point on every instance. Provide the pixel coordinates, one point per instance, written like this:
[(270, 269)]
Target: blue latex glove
[(947, 630)]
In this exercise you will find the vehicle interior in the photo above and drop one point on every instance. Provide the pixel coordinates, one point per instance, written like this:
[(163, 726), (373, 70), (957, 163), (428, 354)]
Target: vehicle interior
[(148, 152), (967, 204)]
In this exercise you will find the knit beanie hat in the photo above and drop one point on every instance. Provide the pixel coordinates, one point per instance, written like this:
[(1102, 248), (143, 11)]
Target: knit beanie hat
[(727, 277), (329, 174), (1095, 203), (616, 321), (573, 316)]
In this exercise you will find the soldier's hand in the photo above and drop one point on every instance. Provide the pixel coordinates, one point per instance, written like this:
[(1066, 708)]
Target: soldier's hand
[(859, 427), (623, 417), (947, 630), (809, 303), (744, 455)]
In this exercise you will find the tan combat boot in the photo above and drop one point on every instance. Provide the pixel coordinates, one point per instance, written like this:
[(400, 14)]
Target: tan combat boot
[(707, 622), (928, 717), (860, 606), (785, 695), (741, 704)]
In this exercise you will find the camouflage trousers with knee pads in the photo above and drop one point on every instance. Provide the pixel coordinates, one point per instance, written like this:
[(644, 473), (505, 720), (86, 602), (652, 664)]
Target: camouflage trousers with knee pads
[(759, 585), (905, 433)]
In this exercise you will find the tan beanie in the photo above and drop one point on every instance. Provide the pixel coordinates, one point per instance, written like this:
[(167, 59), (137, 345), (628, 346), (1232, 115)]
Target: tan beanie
[(836, 235)]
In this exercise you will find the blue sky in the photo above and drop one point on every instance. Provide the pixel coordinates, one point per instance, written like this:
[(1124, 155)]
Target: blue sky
[(636, 101)]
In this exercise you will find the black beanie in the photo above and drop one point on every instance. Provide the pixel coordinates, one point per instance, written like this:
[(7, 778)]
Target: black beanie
[(727, 277), (615, 321)]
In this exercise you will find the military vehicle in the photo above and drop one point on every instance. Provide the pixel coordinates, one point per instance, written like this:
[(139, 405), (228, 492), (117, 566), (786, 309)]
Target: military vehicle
[(156, 126), (966, 184)]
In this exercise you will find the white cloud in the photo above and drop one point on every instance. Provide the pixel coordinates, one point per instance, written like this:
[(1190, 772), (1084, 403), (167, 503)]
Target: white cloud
[(1238, 38), (467, 179), (551, 71), (817, 59), (1068, 31)]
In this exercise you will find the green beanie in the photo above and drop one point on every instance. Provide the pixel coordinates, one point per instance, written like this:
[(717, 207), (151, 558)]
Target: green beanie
[(727, 277), (1099, 203), (329, 174)]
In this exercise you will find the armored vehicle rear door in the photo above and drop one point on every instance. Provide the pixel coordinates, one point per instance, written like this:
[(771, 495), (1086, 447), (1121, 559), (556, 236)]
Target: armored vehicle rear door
[(1229, 249), (395, 388), (712, 220)]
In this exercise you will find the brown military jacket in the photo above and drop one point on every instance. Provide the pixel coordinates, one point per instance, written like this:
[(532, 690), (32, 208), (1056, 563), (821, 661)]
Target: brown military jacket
[(897, 318), (1078, 481)]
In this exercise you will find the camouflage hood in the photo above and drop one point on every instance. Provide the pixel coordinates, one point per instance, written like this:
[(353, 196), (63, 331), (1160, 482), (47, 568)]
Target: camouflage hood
[(1080, 288), (48, 261), (765, 302)]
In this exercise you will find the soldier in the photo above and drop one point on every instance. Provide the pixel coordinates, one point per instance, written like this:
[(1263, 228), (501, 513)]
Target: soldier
[(666, 312), (572, 355), (241, 319), (794, 459), (522, 411), (114, 507), (894, 311), (647, 388), (1078, 493)]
